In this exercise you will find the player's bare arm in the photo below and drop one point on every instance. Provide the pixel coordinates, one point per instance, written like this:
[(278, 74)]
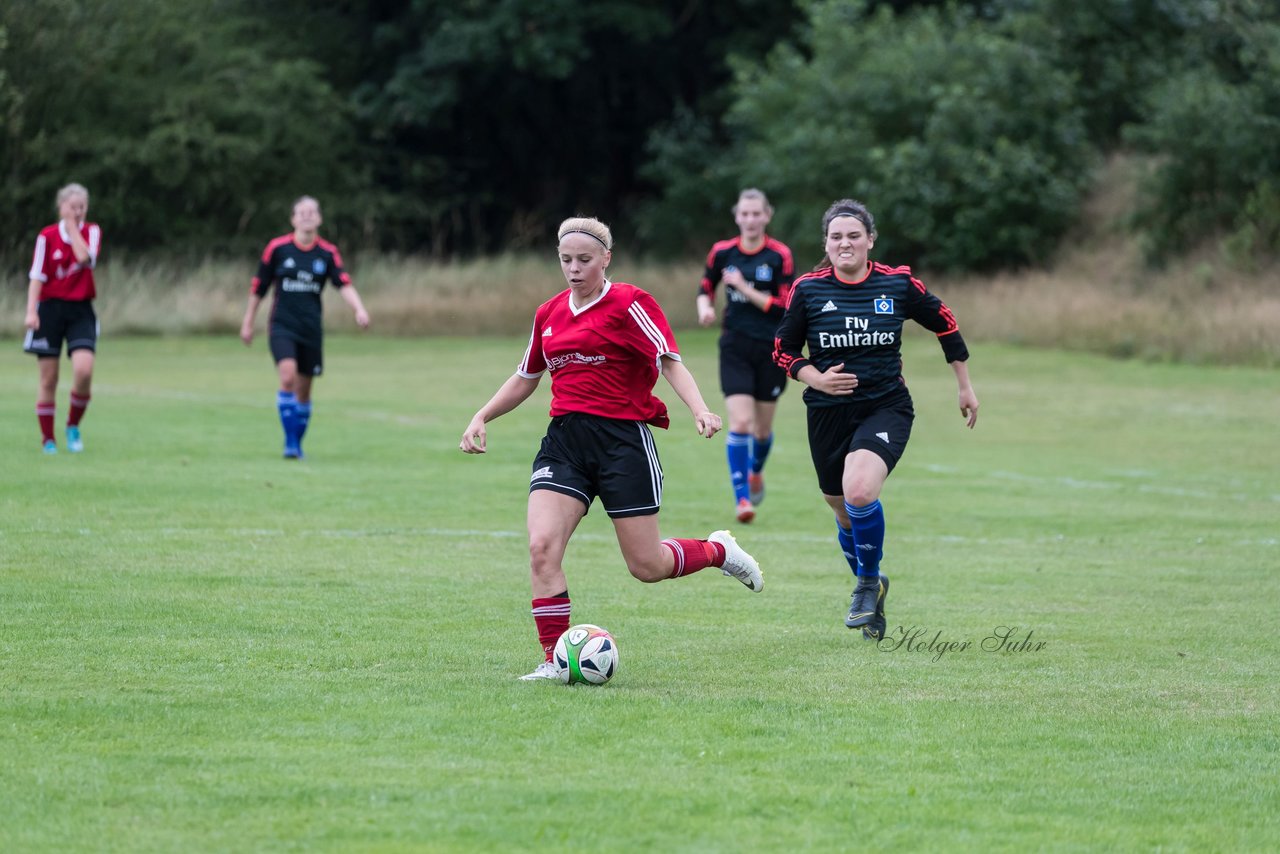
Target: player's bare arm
[(246, 328), (352, 298), (686, 387), (513, 392), (968, 398)]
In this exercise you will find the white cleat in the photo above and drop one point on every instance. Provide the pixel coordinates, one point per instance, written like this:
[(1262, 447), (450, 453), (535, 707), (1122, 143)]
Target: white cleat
[(545, 670), (738, 563)]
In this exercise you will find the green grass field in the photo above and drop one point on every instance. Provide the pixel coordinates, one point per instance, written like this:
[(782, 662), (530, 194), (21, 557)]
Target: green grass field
[(203, 647)]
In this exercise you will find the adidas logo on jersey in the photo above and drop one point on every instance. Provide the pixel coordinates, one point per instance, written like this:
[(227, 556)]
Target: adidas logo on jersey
[(830, 306), (289, 264), (546, 333), (543, 473), (884, 436)]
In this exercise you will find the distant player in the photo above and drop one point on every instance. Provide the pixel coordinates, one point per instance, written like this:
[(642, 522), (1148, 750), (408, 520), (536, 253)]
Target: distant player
[(756, 271), (849, 313), (604, 343), (60, 308), (298, 264)]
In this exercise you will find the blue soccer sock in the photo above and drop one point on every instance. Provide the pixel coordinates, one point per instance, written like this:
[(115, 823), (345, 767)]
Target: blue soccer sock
[(738, 450), (868, 532), (760, 452), (303, 411), (287, 404), (849, 546)]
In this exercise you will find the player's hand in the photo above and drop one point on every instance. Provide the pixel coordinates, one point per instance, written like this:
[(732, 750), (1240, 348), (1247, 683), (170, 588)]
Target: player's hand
[(68, 216), (733, 278), (246, 334), (362, 319), (32, 321), (473, 438), (832, 381), (708, 424), (706, 315), (969, 406)]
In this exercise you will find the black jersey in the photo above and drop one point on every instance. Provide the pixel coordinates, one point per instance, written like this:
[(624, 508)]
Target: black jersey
[(299, 275), (771, 270), (860, 324)]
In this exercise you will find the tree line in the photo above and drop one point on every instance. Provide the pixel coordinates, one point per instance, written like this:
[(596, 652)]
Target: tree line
[(466, 127)]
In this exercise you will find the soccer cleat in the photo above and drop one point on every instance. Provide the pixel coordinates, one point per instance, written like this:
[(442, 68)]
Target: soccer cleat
[(74, 443), (50, 446), (867, 597), (755, 487), (545, 670), (745, 512), (292, 451), (738, 563), (874, 630)]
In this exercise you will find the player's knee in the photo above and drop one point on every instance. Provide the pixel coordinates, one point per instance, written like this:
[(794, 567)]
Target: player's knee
[(649, 571), (861, 493), (544, 554)]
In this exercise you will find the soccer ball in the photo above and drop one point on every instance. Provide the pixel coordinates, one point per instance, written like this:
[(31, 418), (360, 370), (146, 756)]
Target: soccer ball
[(586, 655)]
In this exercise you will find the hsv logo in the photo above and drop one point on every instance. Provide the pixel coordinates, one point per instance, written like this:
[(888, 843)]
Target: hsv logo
[(764, 273), (884, 305), (830, 306)]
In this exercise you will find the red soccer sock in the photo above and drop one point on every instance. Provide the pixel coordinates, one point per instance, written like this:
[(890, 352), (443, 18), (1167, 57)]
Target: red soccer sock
[(44, 414), (78, 406), (551, 616), (693, 555)]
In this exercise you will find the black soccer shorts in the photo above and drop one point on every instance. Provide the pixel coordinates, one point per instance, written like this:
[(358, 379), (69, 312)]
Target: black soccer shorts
[(307, 352), (585, 456), (747, 367), (882, 426), (61, 320)]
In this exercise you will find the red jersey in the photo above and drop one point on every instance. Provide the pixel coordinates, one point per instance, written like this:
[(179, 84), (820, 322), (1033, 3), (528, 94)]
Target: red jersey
[(55, 263), (604, 357)]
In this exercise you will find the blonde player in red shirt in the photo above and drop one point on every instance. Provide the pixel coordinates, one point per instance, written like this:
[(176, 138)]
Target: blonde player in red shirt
[(60, 307), (605, 344)]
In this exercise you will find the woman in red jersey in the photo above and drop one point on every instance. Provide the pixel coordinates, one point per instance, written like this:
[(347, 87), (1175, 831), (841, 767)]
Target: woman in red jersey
[(605, 343), (756, 271), (298, 264), (849, 313), (60, 307)]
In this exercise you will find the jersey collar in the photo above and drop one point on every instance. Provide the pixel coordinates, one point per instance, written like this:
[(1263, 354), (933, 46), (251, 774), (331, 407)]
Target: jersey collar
[(836, 274), (577, 310)]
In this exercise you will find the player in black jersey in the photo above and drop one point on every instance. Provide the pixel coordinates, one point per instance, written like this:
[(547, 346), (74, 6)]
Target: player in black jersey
[(849, 313), (757, 272), (298, 264)]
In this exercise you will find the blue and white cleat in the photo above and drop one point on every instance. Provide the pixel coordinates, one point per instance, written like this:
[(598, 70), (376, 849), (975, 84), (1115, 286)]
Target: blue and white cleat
[(50, 447), (74, 443)]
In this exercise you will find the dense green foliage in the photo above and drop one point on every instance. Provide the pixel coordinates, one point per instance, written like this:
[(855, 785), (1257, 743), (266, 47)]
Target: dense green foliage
[(457, 127)]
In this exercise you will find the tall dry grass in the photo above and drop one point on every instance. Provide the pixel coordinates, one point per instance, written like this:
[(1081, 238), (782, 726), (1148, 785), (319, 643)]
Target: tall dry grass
[(1097, 295), (404, 295)]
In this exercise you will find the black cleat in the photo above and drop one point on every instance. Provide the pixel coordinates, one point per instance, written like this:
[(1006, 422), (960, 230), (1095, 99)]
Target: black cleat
[(874, 630), (868, 597)]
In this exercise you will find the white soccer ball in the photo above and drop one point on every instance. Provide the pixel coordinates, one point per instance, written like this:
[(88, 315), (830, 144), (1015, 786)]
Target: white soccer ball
[(585, 655)]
